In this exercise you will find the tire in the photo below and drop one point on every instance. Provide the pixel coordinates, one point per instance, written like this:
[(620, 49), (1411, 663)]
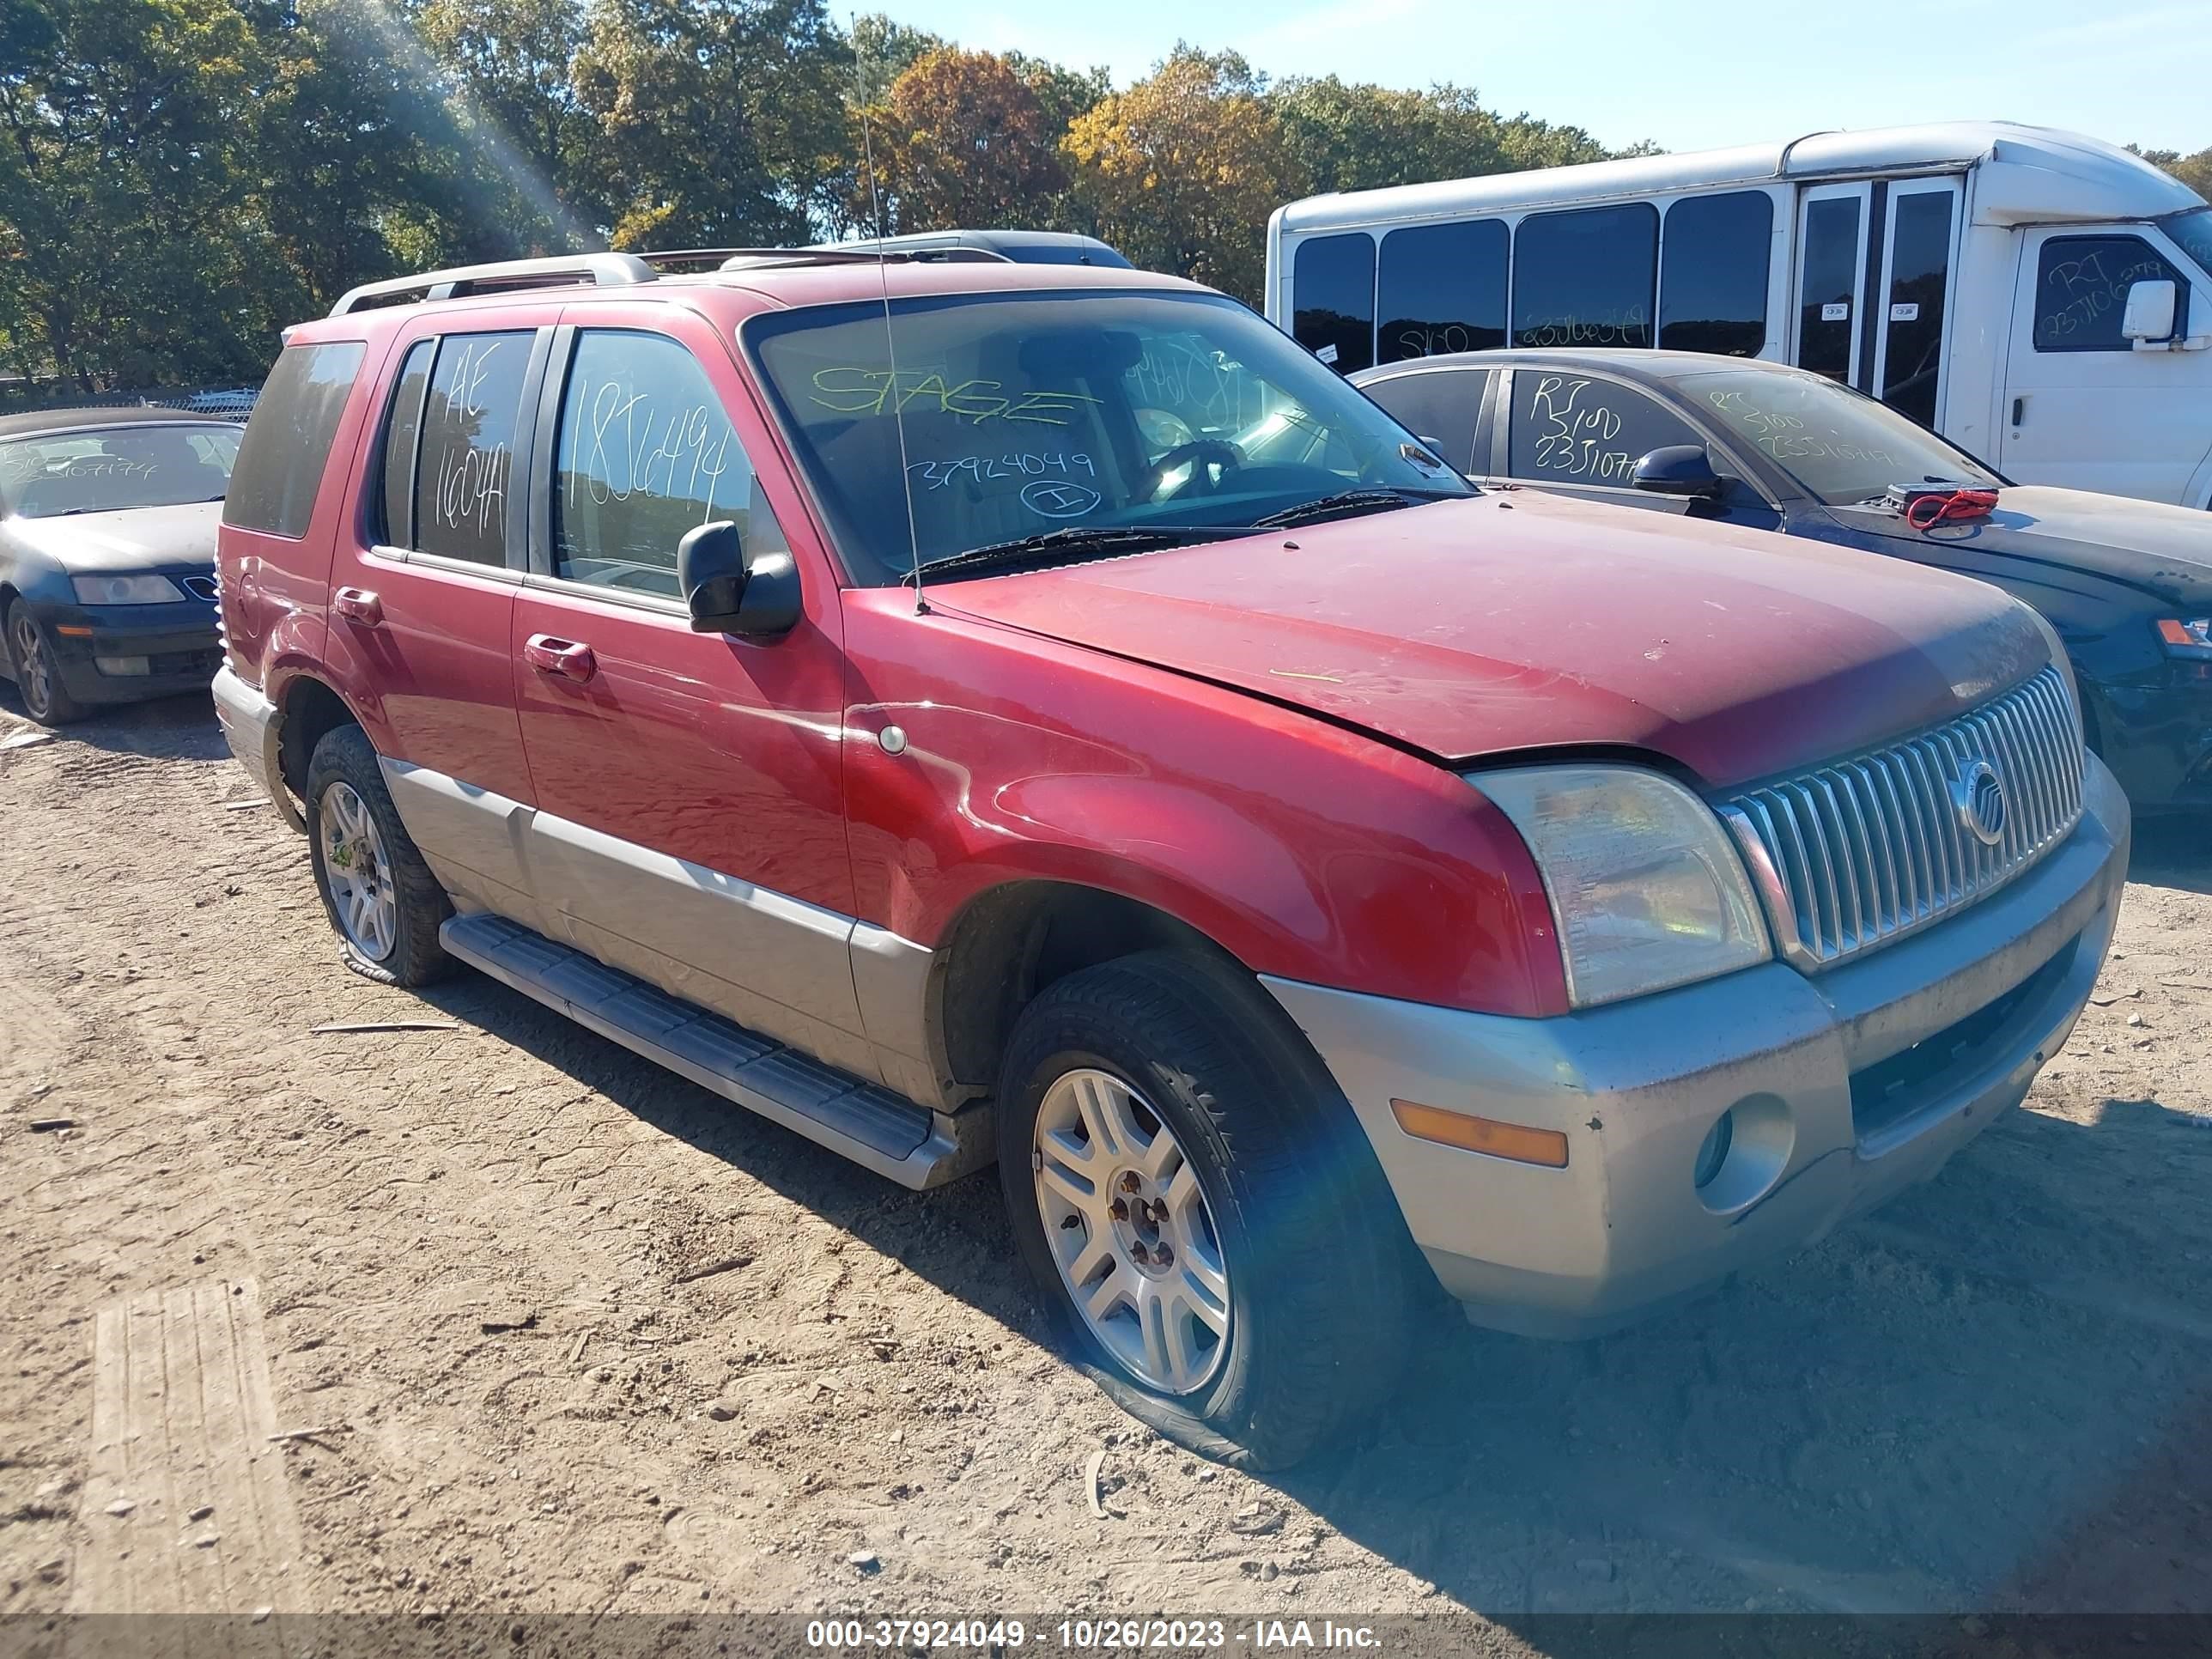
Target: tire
[(383, 902), (1302, 1226), (38, 676)]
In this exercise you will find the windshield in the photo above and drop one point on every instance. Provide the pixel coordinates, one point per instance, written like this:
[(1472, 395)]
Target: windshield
[(2193, 228), (116, 467), (1029, 413), (1840, 446)]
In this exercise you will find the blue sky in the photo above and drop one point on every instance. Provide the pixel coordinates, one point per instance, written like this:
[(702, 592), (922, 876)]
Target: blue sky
[(1692, 73)]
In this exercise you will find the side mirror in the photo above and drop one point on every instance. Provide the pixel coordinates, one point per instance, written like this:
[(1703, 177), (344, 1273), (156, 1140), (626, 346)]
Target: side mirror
[(729, 591), (1679, 469), (2148, 318)]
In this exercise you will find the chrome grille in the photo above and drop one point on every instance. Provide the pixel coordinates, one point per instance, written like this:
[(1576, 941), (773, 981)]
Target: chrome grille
[(200, 588), (1852, 856)]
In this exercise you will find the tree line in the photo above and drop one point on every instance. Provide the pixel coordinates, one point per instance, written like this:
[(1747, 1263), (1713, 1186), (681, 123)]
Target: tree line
[(179, 178)]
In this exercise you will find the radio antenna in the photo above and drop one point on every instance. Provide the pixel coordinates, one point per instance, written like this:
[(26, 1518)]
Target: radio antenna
[(890, 343)]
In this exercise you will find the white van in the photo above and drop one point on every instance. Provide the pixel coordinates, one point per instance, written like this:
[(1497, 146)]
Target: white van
[(2039, 298)]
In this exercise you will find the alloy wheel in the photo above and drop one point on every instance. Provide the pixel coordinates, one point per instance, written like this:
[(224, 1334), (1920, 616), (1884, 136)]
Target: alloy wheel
[(359, 875), (33, 674), (1129, 1227)]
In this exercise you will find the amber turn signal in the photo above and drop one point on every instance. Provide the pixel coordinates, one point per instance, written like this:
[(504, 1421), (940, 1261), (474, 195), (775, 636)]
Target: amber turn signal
[(1480, 1134)]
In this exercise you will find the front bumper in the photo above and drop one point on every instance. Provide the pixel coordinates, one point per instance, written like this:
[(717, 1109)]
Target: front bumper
[(249, 727), (2157, 735), (1848, 1086), (176, 643)]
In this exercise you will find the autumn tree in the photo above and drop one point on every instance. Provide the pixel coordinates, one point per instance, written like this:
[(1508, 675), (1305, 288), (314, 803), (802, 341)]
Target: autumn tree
[(2194, 171), (1181, 171), (963, 140)]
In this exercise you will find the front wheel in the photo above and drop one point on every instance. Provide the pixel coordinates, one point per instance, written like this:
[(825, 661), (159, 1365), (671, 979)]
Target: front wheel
[(38, 674), (1202, 1210), (381, 897)]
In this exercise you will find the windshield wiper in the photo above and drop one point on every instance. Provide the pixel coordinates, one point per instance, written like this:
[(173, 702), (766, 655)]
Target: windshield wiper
[(1078, 538), (1375, 498)]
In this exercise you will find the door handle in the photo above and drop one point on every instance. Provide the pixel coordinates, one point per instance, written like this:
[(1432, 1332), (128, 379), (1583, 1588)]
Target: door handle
[(358, 605), (566, 657), (2018, 410)]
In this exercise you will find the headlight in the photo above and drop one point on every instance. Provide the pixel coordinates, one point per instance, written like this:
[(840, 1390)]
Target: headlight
[(126, 590), (1645, 885), (2187, 639)]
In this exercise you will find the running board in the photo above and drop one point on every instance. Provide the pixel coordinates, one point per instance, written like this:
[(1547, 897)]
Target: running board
[(866, 1123)]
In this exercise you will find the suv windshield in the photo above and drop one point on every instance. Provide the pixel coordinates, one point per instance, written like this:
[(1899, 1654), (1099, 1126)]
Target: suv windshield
[(1839, 445), (1031, 413), (2193, 228), (116, 467)]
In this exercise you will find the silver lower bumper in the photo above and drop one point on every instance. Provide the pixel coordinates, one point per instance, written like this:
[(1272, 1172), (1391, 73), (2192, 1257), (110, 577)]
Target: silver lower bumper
[(1637, 1087), (249, 726)]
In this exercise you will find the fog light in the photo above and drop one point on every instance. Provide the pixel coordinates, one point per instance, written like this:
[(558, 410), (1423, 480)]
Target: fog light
[(1715, 1151), (123, 665)]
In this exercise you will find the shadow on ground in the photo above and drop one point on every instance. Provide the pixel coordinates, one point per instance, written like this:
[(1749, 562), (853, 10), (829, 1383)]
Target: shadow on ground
[(2174, 851), (169, 728), (1933, 1410)]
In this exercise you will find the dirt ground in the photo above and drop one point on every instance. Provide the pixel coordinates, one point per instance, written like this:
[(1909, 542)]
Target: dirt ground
[(579, 1337)]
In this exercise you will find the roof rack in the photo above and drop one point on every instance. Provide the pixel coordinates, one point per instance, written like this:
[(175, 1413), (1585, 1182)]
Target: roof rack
[(621, 270), (744, 258), (567, 269)]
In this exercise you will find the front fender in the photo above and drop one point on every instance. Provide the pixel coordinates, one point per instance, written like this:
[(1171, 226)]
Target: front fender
[(1303, 849)]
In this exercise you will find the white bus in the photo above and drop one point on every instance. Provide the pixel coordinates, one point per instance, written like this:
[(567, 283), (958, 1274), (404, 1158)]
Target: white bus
[(2041, 298)]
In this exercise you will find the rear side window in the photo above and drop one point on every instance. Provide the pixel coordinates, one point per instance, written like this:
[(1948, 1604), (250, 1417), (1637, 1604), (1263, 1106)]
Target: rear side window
[(1570, 428), (467, 445), (1713, 281), (288, 441), (1441, 288), (1586, 277), (1333, 300), (401, 429), (1438, 404), (646, 453), (2082, 285)]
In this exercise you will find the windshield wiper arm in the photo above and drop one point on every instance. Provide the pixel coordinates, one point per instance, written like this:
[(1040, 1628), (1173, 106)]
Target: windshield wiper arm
[(1377, 498), (1078, 538)]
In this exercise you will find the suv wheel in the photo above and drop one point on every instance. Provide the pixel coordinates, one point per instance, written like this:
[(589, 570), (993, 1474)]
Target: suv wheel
[(1192, 1192), (381, 897), (38, 679)]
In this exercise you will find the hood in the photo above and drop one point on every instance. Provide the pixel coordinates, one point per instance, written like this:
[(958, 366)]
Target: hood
[(131, 539), (2162, 548), (1519, 621)]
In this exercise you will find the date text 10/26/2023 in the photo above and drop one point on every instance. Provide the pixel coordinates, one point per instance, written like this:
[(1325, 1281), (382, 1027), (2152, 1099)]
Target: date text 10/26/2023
[(1089, 1634)]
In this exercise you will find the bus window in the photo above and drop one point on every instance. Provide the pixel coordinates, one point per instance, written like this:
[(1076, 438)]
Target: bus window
[(1585, 278), (1333, 300), (1828, 288), (1442, 289), (1713, 268)]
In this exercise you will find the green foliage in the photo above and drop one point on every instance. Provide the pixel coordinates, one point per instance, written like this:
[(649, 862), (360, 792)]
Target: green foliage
[(179, 178), (2194, 171)]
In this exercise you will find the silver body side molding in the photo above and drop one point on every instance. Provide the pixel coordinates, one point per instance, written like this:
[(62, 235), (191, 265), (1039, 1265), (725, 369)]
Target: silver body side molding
[(845, 992)]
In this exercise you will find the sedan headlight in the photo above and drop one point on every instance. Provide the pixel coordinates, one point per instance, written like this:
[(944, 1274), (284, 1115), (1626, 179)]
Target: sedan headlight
[(126, 590), (1645, 885), (2192, 640)]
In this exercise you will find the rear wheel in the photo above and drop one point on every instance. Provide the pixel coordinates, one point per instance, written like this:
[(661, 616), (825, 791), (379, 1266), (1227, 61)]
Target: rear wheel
[(380, 895), (38, 676), (1201, 1208)]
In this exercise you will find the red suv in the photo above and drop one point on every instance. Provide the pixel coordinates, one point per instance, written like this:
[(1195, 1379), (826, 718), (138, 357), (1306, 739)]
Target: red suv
[(965, 711)]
